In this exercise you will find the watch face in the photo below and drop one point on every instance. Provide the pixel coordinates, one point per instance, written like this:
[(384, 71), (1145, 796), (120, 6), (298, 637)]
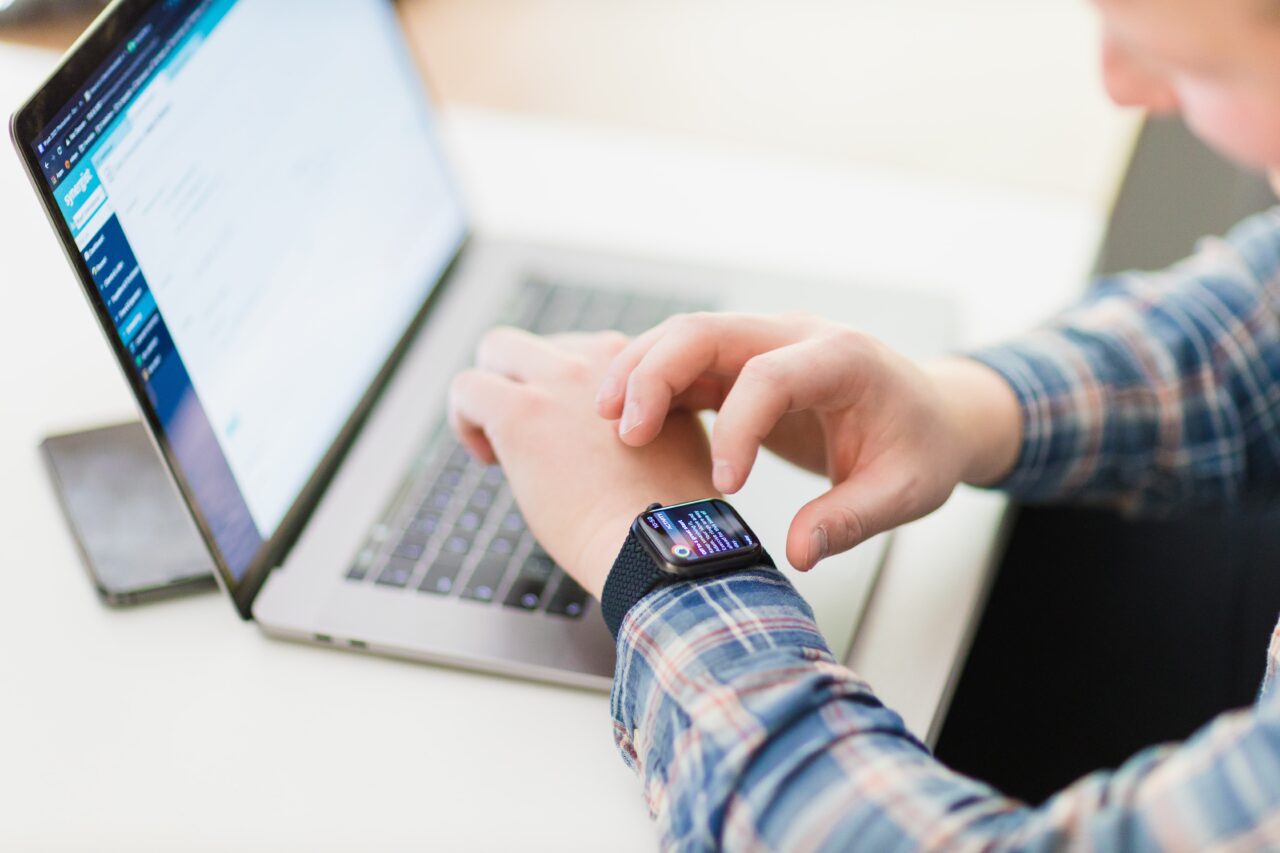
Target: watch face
[(698, 534)]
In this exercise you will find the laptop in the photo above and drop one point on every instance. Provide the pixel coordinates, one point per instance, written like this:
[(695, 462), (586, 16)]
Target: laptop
[(256, 201)]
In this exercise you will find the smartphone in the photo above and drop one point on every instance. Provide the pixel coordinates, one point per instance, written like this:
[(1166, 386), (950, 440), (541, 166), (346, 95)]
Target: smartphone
[(135, 536)]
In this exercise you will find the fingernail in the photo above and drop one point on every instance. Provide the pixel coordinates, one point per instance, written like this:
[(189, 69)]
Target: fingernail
[(630, 418), (722, 475), (608, 390), (817, 545)]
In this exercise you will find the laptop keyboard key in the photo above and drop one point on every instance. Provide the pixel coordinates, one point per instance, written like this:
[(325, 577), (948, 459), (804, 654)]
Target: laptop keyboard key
[(504, 544), (569, 599), (438, 500), (481, 500), (487, 577), (525, 593), (397, 572), (425, 523), (527, 589), (459, 543), (416, 537), (408, 549), (363, 562), (513, 522), (538, 565), (459, 456), (442, 575)]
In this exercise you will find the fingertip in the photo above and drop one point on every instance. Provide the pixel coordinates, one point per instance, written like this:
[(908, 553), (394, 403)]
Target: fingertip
[(630, 439), (797, 555), (735, 450), (610, 388), (610, 409), (723, 477), (632, 418), (636, 435), (807, 545), (730, 470)]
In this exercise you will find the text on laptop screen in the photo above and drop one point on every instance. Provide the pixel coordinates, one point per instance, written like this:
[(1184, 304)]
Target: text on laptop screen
[(257, 190)]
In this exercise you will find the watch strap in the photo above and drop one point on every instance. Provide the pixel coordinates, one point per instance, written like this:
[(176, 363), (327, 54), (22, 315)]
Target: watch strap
[(633, 576)]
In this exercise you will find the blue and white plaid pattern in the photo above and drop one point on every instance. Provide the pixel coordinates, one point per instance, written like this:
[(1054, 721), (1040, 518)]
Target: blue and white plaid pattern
[(1158, 391)]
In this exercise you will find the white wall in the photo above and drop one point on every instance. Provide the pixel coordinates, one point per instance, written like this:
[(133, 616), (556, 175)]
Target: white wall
[(976, 90)]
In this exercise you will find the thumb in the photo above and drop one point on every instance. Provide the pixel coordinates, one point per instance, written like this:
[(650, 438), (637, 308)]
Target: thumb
[(850, 513)]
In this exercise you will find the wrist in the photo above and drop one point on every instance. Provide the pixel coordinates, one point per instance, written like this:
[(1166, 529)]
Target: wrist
[(984, 415), (609, 526), (600, 549)]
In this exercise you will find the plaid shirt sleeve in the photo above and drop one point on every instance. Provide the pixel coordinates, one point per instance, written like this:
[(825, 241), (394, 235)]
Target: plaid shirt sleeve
[(748, 735), (1160, 390)]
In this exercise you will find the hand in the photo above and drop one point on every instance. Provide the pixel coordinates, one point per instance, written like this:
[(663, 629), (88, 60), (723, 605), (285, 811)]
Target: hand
[(528, 405), (894, 438)]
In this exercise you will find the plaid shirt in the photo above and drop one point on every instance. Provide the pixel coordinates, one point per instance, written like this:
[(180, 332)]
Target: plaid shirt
[(1159, 391)]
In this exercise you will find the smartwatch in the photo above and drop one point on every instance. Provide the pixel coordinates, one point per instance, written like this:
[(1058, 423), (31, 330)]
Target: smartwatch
[(672, 543)]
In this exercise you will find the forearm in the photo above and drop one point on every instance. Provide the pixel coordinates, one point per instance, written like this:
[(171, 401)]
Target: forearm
[(1160, 390), (748, 735)]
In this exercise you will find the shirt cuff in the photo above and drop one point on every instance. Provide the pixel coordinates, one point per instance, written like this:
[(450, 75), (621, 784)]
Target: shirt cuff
[(682, 639)]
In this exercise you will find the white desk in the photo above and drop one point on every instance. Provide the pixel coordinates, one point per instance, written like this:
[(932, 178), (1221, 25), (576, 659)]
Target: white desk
[(175, 726)]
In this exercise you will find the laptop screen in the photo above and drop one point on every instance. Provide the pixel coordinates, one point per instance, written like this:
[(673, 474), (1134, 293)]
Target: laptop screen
[(257, 190)]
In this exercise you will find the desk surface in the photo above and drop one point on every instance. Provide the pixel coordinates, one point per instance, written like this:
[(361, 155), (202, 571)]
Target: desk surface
[(175, 726)]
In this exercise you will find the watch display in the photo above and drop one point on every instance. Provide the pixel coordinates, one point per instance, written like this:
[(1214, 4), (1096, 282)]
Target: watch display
[(672, 543), (697, 533)]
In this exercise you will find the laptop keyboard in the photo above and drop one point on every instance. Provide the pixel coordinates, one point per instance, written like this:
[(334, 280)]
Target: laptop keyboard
[(453, 528)]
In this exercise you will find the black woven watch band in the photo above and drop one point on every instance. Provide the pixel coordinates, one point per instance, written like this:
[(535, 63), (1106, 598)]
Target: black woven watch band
[(633, 575)]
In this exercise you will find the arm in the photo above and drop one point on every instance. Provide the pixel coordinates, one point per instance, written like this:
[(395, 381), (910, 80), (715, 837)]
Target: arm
[(1160, 390), (747, 734), (727, 702)]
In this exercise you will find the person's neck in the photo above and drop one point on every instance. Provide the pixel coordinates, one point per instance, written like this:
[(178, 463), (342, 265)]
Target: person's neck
[(1274, 175)]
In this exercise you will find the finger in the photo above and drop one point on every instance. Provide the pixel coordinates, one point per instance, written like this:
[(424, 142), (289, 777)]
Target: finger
[(848, 515), (769, 386), (694, 346), (517, 354), (609, 399), (674, 362), (479, 402)]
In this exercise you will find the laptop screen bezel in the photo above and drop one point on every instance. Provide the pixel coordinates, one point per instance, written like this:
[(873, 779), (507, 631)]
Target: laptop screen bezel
[(81, 62)]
